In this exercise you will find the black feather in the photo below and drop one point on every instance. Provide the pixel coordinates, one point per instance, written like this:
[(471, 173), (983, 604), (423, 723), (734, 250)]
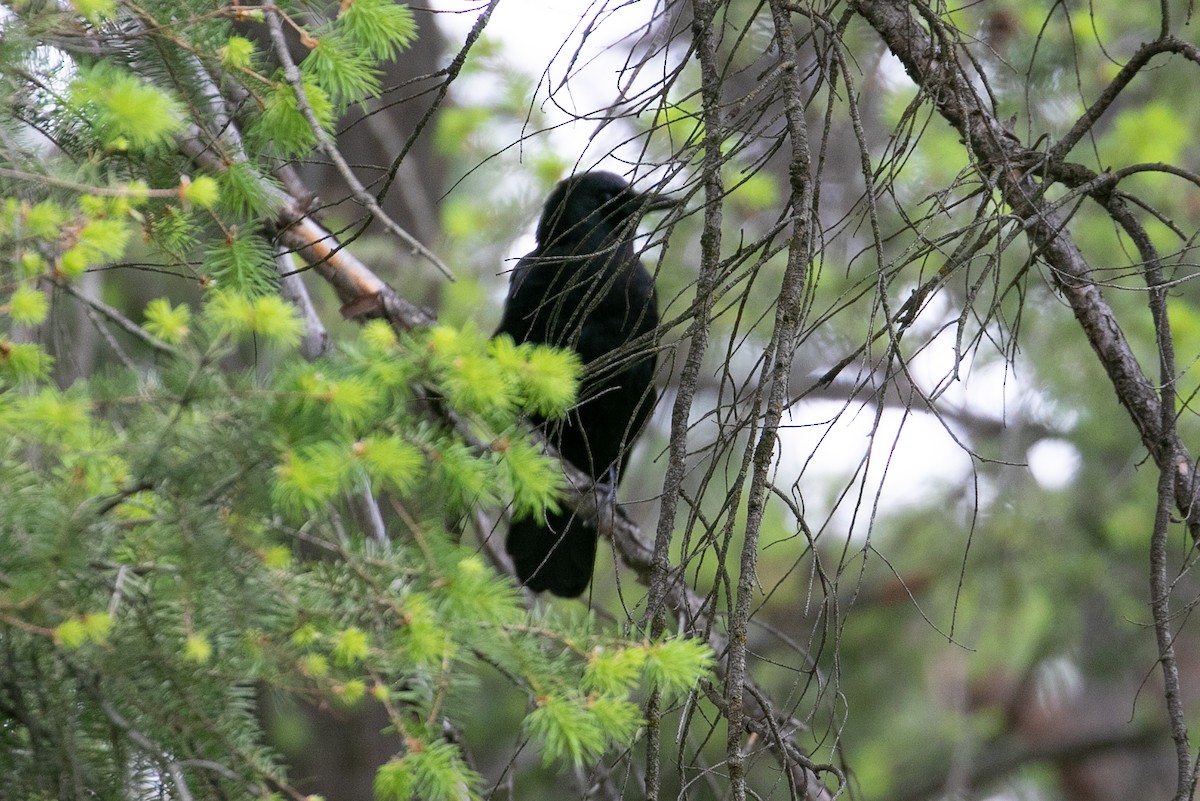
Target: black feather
[(583, 287)]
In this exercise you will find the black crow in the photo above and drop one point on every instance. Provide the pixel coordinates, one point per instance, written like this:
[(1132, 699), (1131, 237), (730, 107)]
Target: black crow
[(584, 288)]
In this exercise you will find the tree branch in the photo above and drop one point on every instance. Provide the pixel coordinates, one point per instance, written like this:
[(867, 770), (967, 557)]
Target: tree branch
[(329, 148), (1000, 154), (364, 295), (1004, 756)]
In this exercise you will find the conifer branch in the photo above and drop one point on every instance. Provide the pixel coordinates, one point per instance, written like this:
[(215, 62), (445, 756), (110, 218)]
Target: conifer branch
[(364, 296), (329, 148)]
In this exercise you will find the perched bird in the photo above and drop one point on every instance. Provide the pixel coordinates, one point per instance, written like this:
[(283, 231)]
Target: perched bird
[(583, 287)]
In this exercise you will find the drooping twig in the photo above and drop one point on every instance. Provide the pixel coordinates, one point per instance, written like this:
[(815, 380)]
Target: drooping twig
[(1001, 154), (1160, 583), (329, 148), (697, 335), (116, 317)]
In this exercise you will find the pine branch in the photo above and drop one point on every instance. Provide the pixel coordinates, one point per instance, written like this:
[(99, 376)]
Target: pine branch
[(365, 296), (329, 148), (115, 316)]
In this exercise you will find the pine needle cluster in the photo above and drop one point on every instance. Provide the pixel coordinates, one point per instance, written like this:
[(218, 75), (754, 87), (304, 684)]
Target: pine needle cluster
[(180, 537), (173, 544)]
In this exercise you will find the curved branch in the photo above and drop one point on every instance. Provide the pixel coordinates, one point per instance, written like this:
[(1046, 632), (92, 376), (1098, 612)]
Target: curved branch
[(1002, 155), (1001, 758), (1165, 44), (329, 148)]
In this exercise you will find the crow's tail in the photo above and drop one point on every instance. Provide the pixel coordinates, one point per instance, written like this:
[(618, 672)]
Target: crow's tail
[(558, 556)]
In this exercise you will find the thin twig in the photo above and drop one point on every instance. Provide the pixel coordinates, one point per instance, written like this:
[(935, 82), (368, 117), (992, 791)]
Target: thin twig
[(123, 322), (154, 750), (327, 145), (697, 335), (315, 341), (1160, 583)]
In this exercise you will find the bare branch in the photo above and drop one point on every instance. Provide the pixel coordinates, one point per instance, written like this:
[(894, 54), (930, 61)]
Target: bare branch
[(115, 316), (1000, 153), (316, 339), (329, 148), (1000, 758)]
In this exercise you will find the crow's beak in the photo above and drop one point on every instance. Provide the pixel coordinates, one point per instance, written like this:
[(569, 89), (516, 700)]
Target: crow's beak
[(654, 202)]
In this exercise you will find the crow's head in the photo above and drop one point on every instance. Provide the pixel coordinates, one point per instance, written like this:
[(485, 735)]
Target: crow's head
[(590, 211)]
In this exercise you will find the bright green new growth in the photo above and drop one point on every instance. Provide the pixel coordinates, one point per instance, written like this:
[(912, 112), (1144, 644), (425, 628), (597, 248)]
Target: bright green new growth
[(136, 493), (282, 125), (381, 27), (124, 111), (431, 771), (577, 728), (27, 306), (179, 535), (168, 323)]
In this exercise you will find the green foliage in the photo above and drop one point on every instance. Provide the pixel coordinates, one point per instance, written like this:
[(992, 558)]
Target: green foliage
[(95, 11), (98, 241), (202, 192), (430, 770), (22, 361), (122, 109), (242, 263), (282, 126), (535, 482), (28, 306), (344, 55), (497, 377), (674, 665), (568, 729), (545, 376), (198, 489), (241, 191), (268, 316), (380, 27), (348, 73), (576, 727), (237, 52), (168, 323)]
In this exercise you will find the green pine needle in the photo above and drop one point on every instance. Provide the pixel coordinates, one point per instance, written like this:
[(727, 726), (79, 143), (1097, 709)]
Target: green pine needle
[(347, 73), (243, 263), (28, 306), (168, 323), (676, 665), (535, 479), (390, 461), (381, 27), (283, 127), (124, 111), (566, 729), (613, 671)]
